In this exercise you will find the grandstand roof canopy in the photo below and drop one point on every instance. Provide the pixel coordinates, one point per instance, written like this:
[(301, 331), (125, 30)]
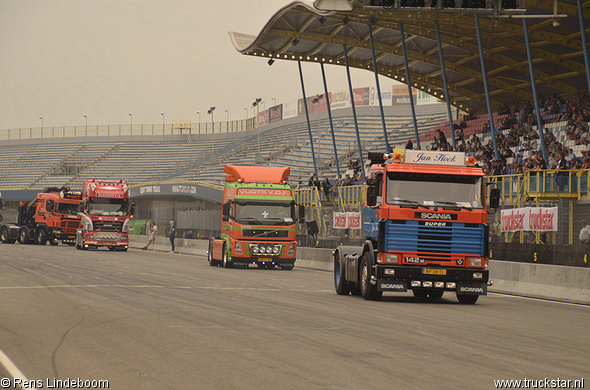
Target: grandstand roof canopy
[(301, 32)]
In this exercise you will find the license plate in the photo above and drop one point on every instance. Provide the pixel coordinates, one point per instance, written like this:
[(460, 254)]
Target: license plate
[(265, 259), (430, 271)]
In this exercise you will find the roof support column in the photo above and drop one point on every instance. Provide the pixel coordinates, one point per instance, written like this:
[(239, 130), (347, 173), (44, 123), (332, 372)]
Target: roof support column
[(315, 168), (584, 44), (485, 85), (401, 30), (444, 77), (356, 123), (330, 117), (534, 86), (387, 150)]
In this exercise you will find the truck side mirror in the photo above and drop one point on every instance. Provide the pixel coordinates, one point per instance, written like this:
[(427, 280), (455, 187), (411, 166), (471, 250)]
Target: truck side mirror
[(132, 209), (225, 218), (301, 213), (50, 206), (225, 210), (371, 196), (494, 198)]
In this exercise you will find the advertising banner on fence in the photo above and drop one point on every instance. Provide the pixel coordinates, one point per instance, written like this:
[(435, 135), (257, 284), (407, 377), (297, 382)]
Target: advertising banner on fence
[(529, 219), (275, 113), (348, 220), (290, 109)]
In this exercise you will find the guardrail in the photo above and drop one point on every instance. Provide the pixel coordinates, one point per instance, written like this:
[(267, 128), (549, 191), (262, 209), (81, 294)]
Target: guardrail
[(175, 128)]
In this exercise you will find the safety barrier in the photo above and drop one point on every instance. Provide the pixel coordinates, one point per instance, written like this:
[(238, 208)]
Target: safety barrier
[(555, 282)]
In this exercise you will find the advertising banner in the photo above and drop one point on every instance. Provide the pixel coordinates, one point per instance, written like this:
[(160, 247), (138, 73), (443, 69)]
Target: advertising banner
[(348, 220), (262, 118), (339, 99), (385, 97), (275, 113), (290, 109), (530, 219), (400, 94)]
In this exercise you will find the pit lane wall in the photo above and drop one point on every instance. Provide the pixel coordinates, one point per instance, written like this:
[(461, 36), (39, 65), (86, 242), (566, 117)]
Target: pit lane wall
[(557, 282)]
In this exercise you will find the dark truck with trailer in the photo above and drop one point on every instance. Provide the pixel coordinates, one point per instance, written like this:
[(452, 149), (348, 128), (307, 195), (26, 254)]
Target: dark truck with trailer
[(52, 216)]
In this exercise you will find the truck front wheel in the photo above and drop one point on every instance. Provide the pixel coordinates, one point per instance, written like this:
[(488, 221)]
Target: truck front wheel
[(225, 257), (212, 262), (41, 237), (340, 283), (368, 290)]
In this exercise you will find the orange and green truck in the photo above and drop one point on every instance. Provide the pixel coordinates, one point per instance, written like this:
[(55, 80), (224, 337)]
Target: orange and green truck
[(258, 222)]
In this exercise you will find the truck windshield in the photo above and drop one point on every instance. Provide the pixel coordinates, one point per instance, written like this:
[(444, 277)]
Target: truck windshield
[(252, 213), (66, 208), (98, 206), (412, 189)]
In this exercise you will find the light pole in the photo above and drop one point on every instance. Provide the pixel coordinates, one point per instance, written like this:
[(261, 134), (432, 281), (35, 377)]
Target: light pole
[(86, 125), (131, 122), (163, 121), (227, 115), (257, 104), (315, 100), (274, 101), (212, 132), (199, 114), (246, 109), (41, 123)]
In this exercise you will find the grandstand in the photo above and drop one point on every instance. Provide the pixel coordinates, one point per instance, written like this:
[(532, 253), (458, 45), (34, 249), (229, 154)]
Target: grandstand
[(40, 162)]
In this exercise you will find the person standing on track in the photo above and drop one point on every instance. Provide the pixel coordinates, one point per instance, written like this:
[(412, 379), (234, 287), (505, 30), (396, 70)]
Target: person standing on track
[(172, 235), (154, 230)]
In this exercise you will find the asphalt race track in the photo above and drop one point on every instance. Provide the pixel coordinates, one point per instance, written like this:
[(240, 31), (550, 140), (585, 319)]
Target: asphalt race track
[(152, 320)]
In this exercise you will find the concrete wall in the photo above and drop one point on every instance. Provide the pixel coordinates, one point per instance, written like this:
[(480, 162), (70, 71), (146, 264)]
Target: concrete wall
[(557, 282)]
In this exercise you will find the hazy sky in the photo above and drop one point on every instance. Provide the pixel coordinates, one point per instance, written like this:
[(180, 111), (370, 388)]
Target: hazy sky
[(61, 59)]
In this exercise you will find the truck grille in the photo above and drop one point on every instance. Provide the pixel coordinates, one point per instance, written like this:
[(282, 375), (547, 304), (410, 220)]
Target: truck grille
[(69, 226), (417, 236), (265, 233), (107, 226)]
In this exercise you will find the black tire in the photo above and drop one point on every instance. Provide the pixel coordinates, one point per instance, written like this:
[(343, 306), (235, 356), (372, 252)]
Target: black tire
[(368, 290), (5, 236), (23, 236), (41, 237), (225, 262), (436, 294), (340, 284), (212, 263), (467, 299), (420, 292)]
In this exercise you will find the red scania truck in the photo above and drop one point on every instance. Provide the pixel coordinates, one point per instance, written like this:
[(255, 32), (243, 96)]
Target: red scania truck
[(258, 219), (425, 223), (105, 215)]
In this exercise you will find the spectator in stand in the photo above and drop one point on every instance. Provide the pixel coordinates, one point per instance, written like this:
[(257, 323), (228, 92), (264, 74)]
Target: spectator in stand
[(409, 144), (571, 156), (586, 151), (459, 135), (584, 233), (311, 181), (327, 188), (549, 137), (585, 163)]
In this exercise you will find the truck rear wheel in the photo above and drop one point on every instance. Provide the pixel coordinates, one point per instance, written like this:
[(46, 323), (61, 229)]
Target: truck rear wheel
[(41, 237), (340, 284), (5, 236), (368, 290), (467, 299), (23, 236)]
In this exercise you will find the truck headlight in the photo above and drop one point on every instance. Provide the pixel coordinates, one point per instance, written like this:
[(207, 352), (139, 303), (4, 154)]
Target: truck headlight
[(391, 259), (276, 250), (87, 223), (125, 227), (475, 262)]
